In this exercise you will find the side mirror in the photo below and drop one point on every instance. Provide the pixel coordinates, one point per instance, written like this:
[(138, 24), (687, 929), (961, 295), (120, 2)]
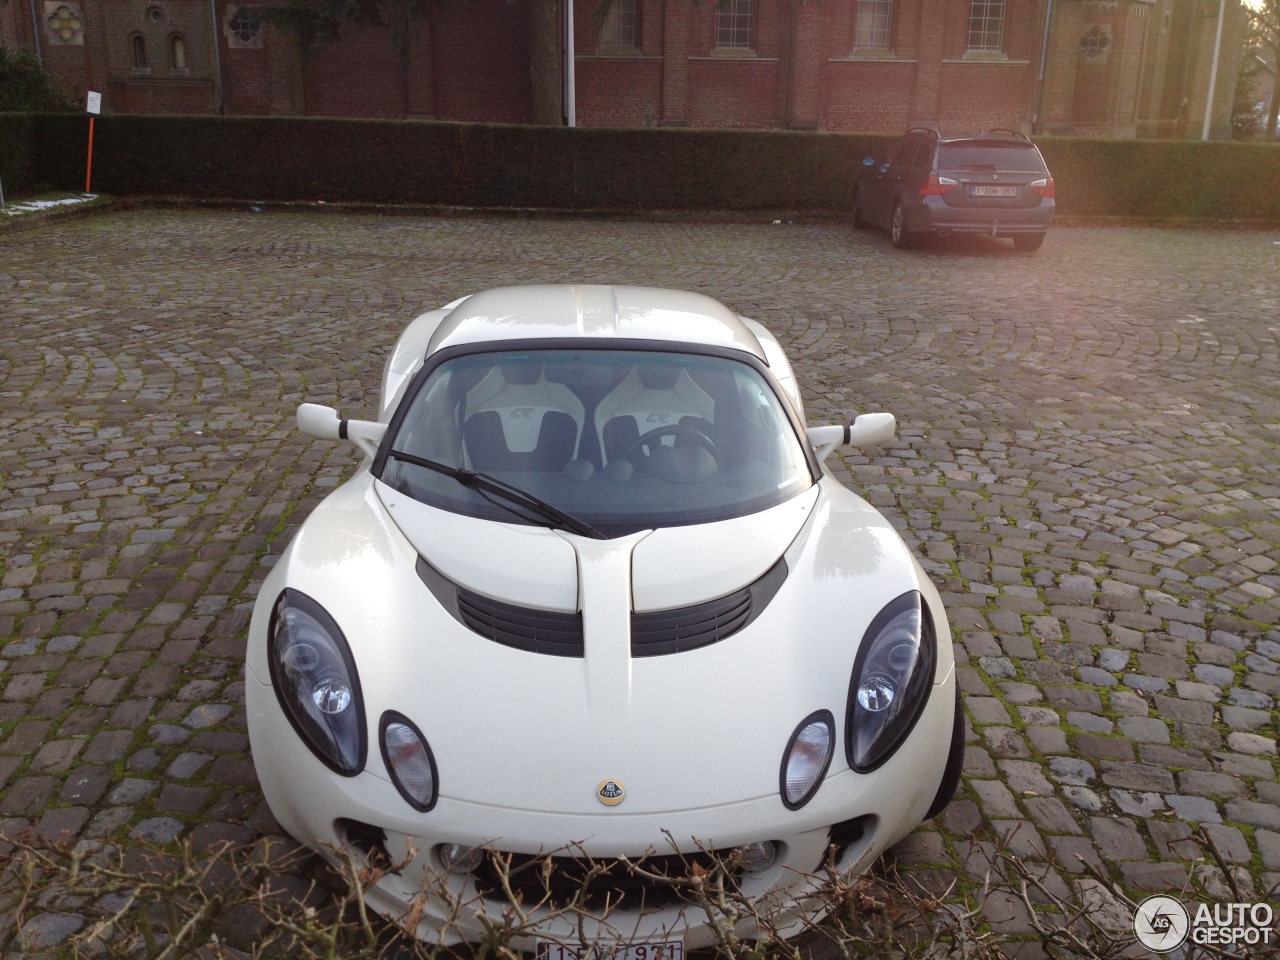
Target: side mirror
[(868, 430), (324, 423)]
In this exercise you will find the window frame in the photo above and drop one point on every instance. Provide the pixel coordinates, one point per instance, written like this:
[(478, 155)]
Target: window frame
[(735, 26), (986, 26), (615, 28), (880, 28)]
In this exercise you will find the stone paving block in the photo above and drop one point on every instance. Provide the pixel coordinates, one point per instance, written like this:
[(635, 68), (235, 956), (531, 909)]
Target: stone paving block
[(1108, 560)]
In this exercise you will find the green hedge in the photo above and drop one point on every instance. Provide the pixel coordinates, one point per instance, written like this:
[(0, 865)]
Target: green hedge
[(291, 158), (18, 145), (481, 165), (1165, 179)]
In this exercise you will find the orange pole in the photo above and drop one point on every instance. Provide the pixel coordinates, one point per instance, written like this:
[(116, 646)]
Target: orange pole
[(88, 167)]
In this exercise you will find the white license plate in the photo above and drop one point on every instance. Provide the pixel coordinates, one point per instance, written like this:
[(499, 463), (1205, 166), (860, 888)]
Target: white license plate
[(660, 950), (993, 191)]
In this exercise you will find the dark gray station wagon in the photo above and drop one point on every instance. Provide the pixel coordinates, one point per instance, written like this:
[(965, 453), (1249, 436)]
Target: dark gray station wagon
[(993, 183)]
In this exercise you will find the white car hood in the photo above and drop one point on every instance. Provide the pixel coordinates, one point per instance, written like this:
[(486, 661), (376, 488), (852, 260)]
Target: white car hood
[(540, 568), (510, 728)]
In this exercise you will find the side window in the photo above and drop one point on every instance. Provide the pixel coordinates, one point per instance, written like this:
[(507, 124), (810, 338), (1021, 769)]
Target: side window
[(906, 156)]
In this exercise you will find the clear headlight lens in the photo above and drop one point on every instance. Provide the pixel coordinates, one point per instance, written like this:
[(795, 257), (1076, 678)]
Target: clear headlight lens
[(408, 760), (892, 677), (314, 676), (806, 759)]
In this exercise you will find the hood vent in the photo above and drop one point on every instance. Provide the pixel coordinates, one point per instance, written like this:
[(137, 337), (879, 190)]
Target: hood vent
[(537, 631), (557, 634), (702, 624)]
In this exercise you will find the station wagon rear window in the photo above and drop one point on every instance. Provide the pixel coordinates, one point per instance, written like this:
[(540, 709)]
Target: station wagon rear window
[(990, 155)]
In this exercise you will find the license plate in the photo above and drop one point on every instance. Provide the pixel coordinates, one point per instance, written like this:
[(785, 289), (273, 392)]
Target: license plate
[(993, 191), (659, 950)]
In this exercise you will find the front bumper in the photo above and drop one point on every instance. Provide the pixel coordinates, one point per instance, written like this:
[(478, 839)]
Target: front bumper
[(317, 806)]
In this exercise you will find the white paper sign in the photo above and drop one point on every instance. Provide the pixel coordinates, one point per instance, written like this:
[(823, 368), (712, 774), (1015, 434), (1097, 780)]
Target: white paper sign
[(95, 102)]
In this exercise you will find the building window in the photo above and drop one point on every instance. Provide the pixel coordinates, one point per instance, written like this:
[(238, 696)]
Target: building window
[(873, 29), (139, 52), (735, 25), (178, 54), (986, 26), (621, 26), (65, 25), (243, 28), (1095, 43)]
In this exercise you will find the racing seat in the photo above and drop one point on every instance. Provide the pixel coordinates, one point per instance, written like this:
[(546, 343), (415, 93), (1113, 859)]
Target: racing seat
[(515, 419), (647, 399)]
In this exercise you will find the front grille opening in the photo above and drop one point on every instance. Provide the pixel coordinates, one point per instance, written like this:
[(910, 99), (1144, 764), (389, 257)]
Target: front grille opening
[(846, 833), (368, 840), (648, 885)]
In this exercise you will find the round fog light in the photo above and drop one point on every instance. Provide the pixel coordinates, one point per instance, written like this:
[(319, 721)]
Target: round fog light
[(459, 858), (757, 857)]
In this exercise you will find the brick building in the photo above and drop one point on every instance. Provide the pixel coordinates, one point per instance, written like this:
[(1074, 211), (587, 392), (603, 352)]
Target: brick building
[(1095, 67)]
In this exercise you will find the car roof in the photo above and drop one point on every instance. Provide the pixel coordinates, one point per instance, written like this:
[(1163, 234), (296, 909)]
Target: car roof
[(569, 311)]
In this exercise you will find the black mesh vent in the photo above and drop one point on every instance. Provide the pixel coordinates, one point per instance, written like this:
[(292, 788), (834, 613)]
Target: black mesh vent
[(557, 881), (541, 631), (537, 631), (688, 628)]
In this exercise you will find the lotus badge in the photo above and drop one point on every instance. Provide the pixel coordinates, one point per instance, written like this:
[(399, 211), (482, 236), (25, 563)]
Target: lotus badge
[(610, 792)]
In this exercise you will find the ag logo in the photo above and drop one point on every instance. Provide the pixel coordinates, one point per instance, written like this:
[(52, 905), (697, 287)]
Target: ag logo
[(610, 792), (521, 413), (658, 417), (1161, 923)]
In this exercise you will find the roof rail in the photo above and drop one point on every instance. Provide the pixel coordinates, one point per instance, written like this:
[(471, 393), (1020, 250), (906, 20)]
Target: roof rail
[(1012, 133)]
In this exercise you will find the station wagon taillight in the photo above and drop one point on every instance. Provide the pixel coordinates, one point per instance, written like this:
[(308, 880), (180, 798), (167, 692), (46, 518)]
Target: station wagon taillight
[(1043, 187), (936, 186)]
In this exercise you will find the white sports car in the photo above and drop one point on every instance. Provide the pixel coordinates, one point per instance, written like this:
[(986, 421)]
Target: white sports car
[(593, 597)]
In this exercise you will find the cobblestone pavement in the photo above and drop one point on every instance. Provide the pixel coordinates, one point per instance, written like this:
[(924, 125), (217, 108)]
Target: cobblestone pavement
[(1086, 459)]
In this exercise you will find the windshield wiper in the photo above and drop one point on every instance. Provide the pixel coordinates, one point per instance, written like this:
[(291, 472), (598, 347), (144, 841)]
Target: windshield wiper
[(556, 517)]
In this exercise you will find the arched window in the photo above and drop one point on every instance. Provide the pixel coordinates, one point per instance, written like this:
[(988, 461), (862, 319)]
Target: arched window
[(177, 53), (139, 44), (620, 27), (735, 25)]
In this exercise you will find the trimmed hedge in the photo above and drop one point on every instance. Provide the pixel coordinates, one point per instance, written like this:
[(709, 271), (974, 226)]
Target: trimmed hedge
[(18, 148), (1165, 179), (480, 165), (268, 159)]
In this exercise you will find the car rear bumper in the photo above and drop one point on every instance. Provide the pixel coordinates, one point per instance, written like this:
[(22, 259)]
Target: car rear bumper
[(934, 215)]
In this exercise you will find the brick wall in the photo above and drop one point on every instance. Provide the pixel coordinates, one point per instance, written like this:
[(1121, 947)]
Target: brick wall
[(472, 62)]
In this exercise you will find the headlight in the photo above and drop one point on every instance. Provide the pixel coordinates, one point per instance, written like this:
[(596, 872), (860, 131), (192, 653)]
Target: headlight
[(408, 760), (315, 681), (891, 680), (806, 758)]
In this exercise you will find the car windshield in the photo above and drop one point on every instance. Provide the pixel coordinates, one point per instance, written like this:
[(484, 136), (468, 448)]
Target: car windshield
[(622, 440)]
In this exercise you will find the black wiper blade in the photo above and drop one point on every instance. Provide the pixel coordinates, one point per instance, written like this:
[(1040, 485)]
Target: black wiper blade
[(483, 481)]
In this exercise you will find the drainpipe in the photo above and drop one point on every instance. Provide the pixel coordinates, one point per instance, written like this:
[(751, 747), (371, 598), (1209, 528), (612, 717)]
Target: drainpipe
[(1044, 58), (1213, 72), (570, 85), (217, 59), (35, 26)]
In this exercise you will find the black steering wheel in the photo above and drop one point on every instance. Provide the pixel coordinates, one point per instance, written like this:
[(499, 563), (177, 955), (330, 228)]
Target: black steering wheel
[(674, 430)]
